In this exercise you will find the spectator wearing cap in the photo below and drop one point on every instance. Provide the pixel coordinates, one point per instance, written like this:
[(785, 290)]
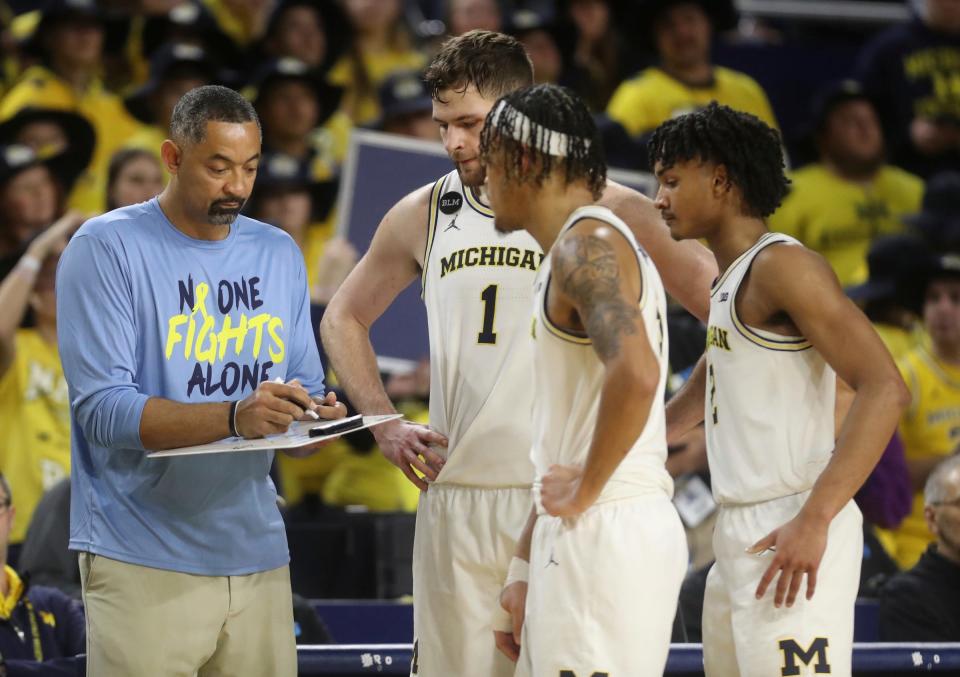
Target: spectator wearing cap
[(407, 109), (243, 22), (888, 297), (939, 220), (289, 196), (311, 31), (380, 45), (536, 31), (34, 408), (300, 115), (923, 604), (185, 22), (31, 196), (840, 204), (69, 41), (930, 428), (42, 630), (175, 69), (469, 15), (684, 79), (51, 132), (911, 70)]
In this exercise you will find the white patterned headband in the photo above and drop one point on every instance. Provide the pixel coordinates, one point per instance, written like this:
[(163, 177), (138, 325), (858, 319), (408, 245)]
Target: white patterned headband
[(525, 130)]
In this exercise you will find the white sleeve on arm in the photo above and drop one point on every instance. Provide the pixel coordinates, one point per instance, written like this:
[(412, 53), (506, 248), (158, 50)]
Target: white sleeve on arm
[(97, 339)]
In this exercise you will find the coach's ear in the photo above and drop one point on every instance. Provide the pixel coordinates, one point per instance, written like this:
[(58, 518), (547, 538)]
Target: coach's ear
[(170, 155)]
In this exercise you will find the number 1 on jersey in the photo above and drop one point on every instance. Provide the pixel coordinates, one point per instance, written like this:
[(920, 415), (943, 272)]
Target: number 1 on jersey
[(489, 297)]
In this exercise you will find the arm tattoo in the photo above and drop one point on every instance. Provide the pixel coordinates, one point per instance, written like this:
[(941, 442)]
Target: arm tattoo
[(586, 270)]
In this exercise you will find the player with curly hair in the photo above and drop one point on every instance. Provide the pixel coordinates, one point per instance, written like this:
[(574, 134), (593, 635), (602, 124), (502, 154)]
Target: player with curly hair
[(780, 333)]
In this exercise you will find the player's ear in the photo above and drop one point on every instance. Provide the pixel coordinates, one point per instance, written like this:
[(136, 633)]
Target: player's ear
[(721, 180)]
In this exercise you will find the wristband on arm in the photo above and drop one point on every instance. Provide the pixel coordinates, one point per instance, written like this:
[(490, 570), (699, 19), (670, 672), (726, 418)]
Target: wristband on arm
[(232, 420), (519, 570)]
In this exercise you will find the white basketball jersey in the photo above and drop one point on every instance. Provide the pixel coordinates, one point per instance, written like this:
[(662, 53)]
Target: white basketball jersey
[(769, 403), (569, 378), (478, 288)]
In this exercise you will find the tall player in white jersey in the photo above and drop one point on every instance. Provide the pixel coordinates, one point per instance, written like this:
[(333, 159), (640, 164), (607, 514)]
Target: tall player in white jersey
[(603, 545), (780, 332), (477, 289)]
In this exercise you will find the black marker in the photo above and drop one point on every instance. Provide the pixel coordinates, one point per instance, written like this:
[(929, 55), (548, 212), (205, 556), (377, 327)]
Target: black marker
[(334, 427)]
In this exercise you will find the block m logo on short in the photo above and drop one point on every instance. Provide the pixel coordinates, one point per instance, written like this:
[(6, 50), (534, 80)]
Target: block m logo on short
[(815, 655)]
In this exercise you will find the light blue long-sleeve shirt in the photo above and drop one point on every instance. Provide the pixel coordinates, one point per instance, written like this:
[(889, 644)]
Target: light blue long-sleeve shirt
[(146, 311)]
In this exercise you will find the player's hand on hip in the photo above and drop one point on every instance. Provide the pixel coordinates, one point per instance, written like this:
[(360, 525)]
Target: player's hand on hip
[(513, 600), (271, 408), (798, 548), (406, 445), (560, 491)]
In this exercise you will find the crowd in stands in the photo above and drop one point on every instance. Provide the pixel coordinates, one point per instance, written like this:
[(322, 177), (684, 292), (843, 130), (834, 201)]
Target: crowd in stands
[(87, 88)]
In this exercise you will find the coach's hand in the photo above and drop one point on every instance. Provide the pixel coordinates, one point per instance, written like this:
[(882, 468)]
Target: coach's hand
[(560, 491), (513, 599), (326, 407), (406, 446), (798, 548), (272, 407)]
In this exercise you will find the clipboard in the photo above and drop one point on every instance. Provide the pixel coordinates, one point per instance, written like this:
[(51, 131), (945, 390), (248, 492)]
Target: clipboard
[(297, 435)]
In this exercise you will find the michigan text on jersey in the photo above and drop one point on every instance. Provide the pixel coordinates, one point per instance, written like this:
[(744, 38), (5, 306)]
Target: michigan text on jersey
[(511, 257)]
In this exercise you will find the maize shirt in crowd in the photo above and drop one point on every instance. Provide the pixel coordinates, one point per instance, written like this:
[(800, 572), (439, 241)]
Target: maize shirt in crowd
[(929, 427), (839, 218), (651, 98), (34, 425)]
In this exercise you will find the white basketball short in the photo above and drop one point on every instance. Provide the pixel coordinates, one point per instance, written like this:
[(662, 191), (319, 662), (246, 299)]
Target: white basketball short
[(603, 590), (747, 637), (465, 537)]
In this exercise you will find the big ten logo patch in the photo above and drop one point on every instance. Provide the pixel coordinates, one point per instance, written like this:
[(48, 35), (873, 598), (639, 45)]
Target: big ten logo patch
[(794, 655)]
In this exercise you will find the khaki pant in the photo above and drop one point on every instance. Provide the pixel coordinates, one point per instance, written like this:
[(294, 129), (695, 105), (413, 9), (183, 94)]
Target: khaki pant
[(147, 622)]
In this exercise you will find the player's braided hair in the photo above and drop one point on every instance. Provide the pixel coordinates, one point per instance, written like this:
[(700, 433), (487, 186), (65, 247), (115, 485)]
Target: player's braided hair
[(553, 123), (744, 144)]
